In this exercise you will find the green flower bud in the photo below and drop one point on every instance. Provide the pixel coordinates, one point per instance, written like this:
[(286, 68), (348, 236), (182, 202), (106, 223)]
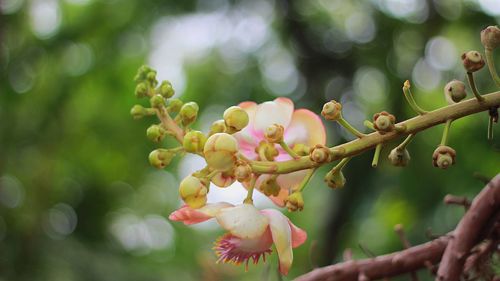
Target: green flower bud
[(194, 141), (270, 187), (301, 149), (472, 61), (490, 37), (193, 191), (188, 113), (138, 111), (332, 110), (235, 118), (268, 149), (320, 154), (399, 158), (151, 78), (218, 126), (157, 101), (174, 105), (166, 90), (141, 90), (443, 157), (274, 133), (243, 172), (220, 151), (295, 202), (454, 91), (383, 122), (335, 179), (223, 179), (155, 133), (160, 158), (142, 73)]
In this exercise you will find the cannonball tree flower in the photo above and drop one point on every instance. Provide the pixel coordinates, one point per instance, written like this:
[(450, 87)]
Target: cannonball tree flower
[(251, 233), (301, 126)]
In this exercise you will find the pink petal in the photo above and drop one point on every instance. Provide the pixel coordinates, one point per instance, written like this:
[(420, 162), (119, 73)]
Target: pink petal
[(282, 238), (306, 127), (188, 215), (299, 236), (268, 113), (248, 138)]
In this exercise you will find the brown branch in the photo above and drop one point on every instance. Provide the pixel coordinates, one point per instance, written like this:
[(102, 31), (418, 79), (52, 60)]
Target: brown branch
[(484, 212)]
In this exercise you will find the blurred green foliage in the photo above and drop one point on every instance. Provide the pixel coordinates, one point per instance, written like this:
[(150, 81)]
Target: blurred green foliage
[(78, 200)]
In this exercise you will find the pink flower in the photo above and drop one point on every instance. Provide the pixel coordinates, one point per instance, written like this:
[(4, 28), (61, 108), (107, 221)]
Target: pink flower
[(301, 126), (251, 232)]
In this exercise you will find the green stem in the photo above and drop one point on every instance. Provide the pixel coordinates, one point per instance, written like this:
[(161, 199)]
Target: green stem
[(491, 66), (403, 145), (262, 155), (490, 128), (472, 84), (350, 128), (249, 198), (169, 124), (369, 125), (446, 132), (376, 156), (341, 164), (289, 150), (411, 101), (306, 179)]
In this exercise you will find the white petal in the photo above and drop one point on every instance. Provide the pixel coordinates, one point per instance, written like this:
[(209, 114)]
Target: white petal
[(278, 111), (243, 221)]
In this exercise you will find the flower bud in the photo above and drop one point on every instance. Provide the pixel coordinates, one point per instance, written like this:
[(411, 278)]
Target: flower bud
[(157, 101), (268, 149), (301, 149), (138, 111), (295, 202), (399, 157), (270, 187), (274, 133), (320, 154), (194, 141), (454, 91), (155, 133), (332, 110), (151, 78), (160, 158), (174, 105), (218, 126), (166, 90), (220, 151), (243, 172), (490, 37), (188, 113), (335, 179), (235, 118), (473, 61), (193, 191), (142, 73), (141, 90), (443, 157), (383, 122), (223, 179)]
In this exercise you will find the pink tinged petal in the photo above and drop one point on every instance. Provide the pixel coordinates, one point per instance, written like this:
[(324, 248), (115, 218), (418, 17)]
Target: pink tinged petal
[(268, 113), (188, 215), (282, 238), (306, 127), (299, 236), (247, 138), (243, 221)]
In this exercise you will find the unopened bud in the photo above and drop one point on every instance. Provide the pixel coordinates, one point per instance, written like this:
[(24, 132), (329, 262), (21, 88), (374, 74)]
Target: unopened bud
[(218, 126), (155, 133), (157, 101), (194, 141), (443, 157), (223, 179), (270, 187), (332, 110), (160, 158), (193, 191), (235, 118), (295, 202), (301, 149), (188, 113), (243, 172), (490, 37), (174, 105), (454, 91), (274, 133), (142, 73), (383, 122), (335, 179), (151, 78), (138, 111), (320, 154), (220, 151), (399, 157), (166, 90), (472, 61), (141, 90)]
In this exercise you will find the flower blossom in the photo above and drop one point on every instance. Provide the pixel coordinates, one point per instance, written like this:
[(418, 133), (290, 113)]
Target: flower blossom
[(251, 232), (301, 126)]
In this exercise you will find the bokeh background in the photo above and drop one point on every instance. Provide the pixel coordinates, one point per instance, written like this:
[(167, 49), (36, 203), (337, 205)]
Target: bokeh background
[(78, 199)]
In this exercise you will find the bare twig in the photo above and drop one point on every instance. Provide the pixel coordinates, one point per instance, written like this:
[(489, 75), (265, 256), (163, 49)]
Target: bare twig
[(406, 244), (458, 200)]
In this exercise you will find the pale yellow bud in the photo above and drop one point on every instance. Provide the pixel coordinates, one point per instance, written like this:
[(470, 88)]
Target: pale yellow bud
[(294, 202), (194, 141), (274, 133), (235, 118), (193, 191), (220, 151)]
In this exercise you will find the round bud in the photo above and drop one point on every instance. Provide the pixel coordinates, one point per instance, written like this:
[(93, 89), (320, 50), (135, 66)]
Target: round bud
[(157, 101), (220, 151), (223, 179), (193, 191), (301, 149), (138, 111), (472, 61), (398, 157), (320, 154), (235, 118), (141, 90), (490, 37), (142, 73), (454, 91), (335, 179), (151, 77), (243, 172), (160, 158), (155, 133), (270, 187), (268, 149), (332, 110), (443, 157), (174, 105), (188, 113), (295, 202), (194, 141), (383, 122), (218, 126), (166, 90), (274, 133)]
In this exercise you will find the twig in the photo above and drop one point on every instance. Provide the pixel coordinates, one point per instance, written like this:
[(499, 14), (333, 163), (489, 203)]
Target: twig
[(406, 244), (458, 200)]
